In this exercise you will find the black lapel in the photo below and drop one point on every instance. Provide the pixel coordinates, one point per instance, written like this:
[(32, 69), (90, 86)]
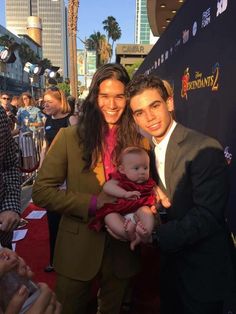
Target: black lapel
[(154, 172), (153, 165)]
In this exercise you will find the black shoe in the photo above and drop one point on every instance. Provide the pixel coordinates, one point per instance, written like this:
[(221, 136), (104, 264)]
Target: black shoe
[(49, 269)]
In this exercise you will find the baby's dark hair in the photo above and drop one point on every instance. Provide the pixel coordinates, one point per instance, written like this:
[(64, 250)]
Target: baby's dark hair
[(131, 150)]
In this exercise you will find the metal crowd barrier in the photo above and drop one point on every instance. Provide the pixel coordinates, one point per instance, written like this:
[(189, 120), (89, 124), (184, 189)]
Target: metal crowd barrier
[(29, 146)]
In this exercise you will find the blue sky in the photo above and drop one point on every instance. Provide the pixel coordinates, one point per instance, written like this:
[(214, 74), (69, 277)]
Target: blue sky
[(93, 12)]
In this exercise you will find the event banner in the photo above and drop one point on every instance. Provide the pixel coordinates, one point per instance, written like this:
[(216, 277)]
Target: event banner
[(197, 55)]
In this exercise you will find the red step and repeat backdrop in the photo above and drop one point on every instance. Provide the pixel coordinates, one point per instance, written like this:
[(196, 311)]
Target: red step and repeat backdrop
[(197, 54)]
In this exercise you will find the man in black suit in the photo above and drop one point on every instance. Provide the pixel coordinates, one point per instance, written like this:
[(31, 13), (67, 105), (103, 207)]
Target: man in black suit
[(197, 270)]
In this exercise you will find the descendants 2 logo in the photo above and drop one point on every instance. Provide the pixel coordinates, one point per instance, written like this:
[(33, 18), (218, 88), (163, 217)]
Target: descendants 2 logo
[(200, 81)]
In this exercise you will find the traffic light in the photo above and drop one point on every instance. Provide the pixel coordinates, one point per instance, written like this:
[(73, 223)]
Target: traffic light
[(7, 55)]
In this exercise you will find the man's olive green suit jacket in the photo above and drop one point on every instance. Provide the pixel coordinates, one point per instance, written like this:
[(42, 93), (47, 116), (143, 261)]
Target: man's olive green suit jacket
[(79, 250)]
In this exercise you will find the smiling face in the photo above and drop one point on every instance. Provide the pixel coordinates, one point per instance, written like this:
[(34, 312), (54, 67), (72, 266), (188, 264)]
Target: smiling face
[(111, 100), (135, 166), (152, 113)]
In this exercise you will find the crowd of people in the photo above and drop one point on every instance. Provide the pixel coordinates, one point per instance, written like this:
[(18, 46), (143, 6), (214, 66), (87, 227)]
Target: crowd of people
[(103, 202)]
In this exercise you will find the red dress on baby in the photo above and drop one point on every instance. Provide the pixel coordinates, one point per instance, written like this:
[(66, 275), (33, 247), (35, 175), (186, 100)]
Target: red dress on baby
[(124, 206)]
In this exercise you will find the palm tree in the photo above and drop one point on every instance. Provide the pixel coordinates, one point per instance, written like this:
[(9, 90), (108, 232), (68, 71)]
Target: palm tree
[(45, 63), (98, 42), (113, 30), (109, 25), (72, 30), (105, 51)]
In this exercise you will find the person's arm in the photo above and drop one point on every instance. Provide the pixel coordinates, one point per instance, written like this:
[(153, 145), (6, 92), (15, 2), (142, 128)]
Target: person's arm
[(111, 187), (10, 208), (209, 183), (46, 303), (43, 152), (10, 260)]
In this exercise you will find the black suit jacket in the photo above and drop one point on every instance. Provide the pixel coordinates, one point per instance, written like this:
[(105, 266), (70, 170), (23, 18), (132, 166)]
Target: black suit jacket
[(195, 241)]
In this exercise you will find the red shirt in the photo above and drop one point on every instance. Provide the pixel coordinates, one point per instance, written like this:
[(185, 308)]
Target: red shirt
[(109, 144)]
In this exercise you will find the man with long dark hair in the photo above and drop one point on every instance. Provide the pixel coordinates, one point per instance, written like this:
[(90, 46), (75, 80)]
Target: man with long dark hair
[(84, 156)]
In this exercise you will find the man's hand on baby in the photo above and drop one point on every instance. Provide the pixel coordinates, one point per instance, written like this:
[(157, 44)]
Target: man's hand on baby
[(104, 198), (162, 198), (132, 195)]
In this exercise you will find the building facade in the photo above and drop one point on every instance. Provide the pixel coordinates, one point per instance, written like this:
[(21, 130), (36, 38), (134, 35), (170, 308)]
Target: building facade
[(54, 26), (13, 78), (128, 54), (143, 33)]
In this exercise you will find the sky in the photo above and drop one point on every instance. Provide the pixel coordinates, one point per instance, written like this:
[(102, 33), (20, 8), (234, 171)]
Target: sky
[(91, 14)]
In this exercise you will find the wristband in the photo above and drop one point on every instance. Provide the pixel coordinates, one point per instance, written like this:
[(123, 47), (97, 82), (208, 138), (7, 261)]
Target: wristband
[(93, 206)]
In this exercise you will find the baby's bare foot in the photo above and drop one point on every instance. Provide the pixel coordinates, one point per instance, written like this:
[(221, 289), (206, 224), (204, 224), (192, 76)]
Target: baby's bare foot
[(135, 242), (140, 229), (130, 227)]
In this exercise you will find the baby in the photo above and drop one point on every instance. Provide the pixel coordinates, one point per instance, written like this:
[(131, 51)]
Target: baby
[(131, 215)]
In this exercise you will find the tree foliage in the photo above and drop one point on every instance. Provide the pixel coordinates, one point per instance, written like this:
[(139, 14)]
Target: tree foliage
[(131, 69), (64, 87), (99, 43), (46, 63), (113, 31)]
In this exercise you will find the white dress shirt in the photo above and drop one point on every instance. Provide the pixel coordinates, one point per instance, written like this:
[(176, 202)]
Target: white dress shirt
[(160, 153)]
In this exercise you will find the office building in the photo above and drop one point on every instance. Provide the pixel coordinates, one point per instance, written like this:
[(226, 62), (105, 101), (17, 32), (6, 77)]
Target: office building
[(53, 14), (143, 33)]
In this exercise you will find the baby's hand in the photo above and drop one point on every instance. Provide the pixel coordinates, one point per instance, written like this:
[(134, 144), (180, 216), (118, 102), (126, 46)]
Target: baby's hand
[(132, 195)]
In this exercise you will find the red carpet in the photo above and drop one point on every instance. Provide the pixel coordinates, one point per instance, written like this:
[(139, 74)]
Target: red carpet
[(34, 248)]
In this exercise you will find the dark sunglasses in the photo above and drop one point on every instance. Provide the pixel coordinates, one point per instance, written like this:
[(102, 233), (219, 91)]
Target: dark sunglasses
[(5, 98), (53, 88)]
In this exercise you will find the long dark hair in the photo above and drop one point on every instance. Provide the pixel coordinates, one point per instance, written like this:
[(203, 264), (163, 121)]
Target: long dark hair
[(92, 126)]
